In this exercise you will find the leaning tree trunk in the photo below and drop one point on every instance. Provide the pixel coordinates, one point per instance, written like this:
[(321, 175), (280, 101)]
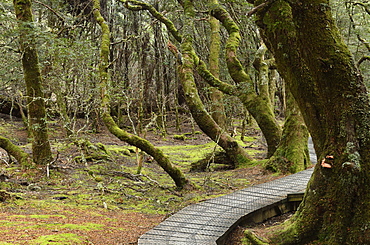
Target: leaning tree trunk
[(15, 151), (35, 98), (322, 76), (259, 106), (178, 177), (233, 150)]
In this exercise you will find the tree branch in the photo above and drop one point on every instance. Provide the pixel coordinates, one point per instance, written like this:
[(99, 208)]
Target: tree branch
[(137, 6), (366, 57), (178, 177), (364, 6), (51, 9), (201, 66), (255, 9)]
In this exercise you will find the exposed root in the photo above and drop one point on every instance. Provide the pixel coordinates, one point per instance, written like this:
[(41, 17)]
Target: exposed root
[(253, 239)]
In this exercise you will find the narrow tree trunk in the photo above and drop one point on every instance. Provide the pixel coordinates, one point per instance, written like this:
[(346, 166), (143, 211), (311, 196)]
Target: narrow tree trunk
[(63, 113), (35, 98), (322, 76), (178, 177), (216, 96)]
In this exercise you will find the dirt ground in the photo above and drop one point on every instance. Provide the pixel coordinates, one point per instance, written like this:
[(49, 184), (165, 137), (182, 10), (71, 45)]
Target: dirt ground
[(101, 200)]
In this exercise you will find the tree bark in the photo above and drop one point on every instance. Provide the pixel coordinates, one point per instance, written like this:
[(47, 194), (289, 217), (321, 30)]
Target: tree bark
[(216, 96), (35, 98), (292, 153), (323, 78), (178, 177)]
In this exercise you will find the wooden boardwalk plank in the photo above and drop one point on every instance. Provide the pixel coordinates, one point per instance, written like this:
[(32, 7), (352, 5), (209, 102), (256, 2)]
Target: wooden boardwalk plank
[(205, 222)]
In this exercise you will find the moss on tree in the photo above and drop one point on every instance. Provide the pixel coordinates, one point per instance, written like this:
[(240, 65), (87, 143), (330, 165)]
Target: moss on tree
[(22, 157), (37, 119), (259, 106), (216, 96), (323, 78), (234, 151), (292, 153)]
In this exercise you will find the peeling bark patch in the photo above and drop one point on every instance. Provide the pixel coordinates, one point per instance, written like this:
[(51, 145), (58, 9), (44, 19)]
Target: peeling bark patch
[(327, 161)]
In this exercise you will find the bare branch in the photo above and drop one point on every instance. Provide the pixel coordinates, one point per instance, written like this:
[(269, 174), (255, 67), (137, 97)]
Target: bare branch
[(365, 6), (51, 9), (255, 9), (366, 57)]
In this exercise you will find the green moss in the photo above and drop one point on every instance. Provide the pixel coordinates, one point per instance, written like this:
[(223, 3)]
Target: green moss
[(15, 224), (118, 150), (38, 216), (187, 154), (65, 239), (84, 226), (180, 137)]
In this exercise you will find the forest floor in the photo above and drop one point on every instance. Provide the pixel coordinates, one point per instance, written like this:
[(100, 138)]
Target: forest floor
[(91, 194)]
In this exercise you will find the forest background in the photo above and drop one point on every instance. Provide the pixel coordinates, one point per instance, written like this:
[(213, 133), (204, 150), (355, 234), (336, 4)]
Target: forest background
[(150, 97)]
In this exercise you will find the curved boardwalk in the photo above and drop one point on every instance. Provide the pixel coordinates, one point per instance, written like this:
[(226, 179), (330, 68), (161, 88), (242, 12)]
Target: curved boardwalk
[(210, 221)]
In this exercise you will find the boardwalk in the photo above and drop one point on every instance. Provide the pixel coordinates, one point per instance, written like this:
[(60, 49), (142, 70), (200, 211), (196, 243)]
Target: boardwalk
[(210, 221)]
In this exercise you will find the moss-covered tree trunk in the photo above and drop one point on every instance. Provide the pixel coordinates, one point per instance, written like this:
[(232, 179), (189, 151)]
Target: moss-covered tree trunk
[(322, 76), (291, 154), (13, 150), (263, 67), (233, 150), (178, 177), (216, 96), (259, 106), (262, 113), (41, 149)]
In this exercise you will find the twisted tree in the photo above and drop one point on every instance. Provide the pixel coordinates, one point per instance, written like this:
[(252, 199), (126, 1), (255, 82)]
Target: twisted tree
[(330, 92)]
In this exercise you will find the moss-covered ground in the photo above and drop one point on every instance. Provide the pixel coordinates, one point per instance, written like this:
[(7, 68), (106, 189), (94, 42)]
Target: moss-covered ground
[(92, 193)]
